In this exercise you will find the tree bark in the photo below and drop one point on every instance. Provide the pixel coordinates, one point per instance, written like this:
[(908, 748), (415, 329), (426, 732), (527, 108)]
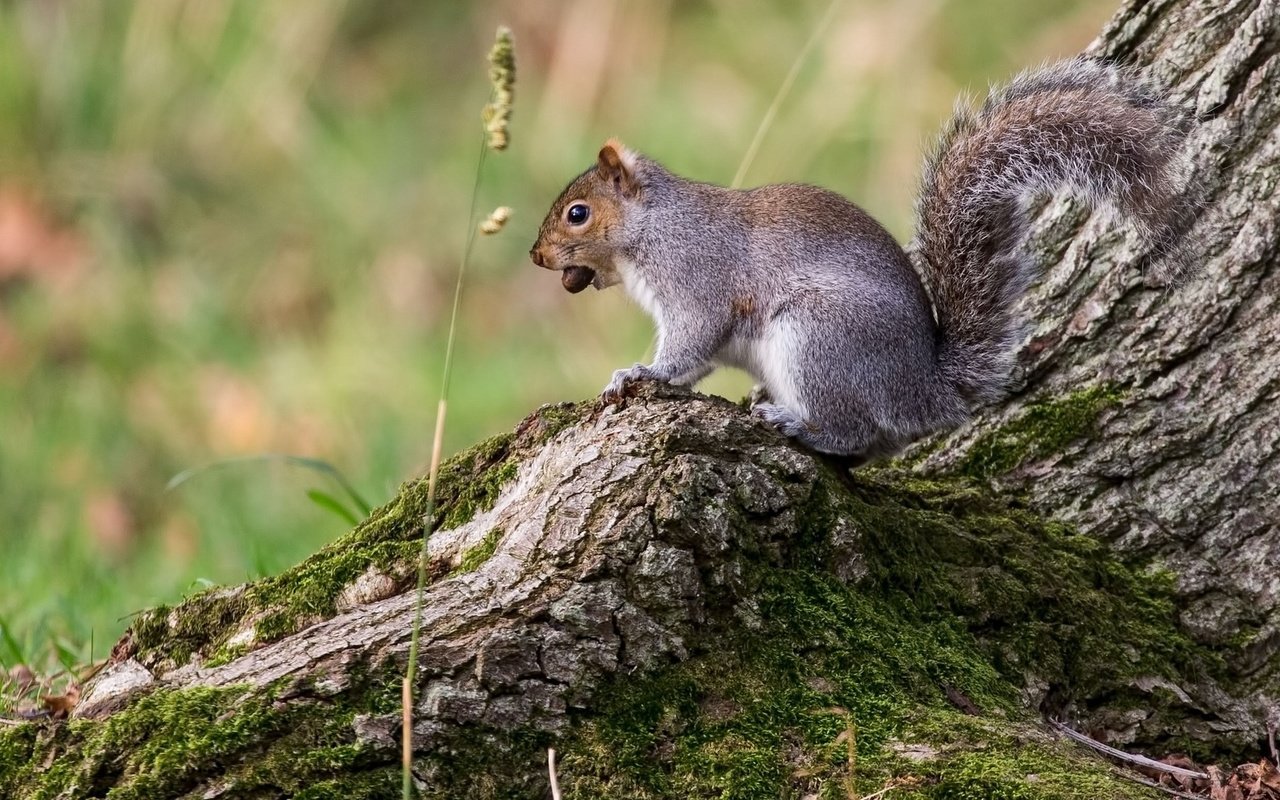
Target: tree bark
[(686, 604), (1180, 466)]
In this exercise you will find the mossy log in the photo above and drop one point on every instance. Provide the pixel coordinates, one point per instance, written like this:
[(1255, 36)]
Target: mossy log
[(685, 604)]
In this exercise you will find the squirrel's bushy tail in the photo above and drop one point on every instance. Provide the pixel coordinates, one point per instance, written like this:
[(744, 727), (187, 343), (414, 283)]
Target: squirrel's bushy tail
[(1080, 123)]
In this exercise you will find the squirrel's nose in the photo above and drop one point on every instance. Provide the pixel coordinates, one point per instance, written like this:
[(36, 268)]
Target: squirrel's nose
[(536, 255)]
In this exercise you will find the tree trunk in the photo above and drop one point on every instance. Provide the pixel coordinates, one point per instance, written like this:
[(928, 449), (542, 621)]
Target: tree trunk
[(685, 604), (1147, 417)]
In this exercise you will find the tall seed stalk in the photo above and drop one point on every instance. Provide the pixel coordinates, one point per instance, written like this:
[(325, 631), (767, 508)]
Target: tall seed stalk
[(496, 116)]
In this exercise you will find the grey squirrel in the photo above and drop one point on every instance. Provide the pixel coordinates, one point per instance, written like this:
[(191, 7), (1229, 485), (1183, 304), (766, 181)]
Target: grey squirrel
[(859, 347)]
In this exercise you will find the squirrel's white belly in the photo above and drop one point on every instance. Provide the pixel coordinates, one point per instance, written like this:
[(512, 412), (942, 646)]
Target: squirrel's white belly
[(770, 359)]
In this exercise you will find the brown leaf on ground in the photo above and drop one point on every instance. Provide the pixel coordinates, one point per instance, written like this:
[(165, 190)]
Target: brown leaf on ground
[(1252, 781), (1268, 775), (1260, 781), (59, 705), (1224, 791)]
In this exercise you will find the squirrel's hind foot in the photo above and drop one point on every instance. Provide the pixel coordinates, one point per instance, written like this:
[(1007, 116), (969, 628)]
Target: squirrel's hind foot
[(759, 396), (780, 417), (848, 448)]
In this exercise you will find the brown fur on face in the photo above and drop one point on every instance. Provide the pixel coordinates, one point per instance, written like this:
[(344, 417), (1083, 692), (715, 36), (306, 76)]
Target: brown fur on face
[(603, 189)]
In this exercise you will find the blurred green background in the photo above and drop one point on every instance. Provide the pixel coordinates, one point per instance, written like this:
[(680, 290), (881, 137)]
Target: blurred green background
[(231, 228)]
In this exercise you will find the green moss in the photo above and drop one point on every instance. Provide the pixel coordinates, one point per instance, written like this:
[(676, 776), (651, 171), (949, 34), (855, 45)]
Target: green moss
[(226, 653), (1042, 429), (171, 742), (16, 747), (481, 762), (150, 627), (966, 597), (376, 784), (1009, 770), (539, 427), (1041, 598), (194, 727), (479, 496), (479, 553), (390, 540), (769, 716), (981, 757), (169, 637)]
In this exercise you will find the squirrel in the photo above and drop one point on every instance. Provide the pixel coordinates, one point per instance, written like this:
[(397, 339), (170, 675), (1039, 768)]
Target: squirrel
[(860, 347)]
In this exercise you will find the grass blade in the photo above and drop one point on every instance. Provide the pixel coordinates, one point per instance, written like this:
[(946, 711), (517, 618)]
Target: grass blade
[(12, 653), (767, 121), (411, 669), (67, 656), (313, 464), (331, 503)]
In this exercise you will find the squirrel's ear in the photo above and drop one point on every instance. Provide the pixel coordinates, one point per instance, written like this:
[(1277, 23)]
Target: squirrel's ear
[(617, 165)]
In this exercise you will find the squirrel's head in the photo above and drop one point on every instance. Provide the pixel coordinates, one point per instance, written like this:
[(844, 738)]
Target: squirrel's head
[(584, 231)]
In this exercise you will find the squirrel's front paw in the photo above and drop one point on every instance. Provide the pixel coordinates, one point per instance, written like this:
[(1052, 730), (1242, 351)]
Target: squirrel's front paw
[(617, 388)]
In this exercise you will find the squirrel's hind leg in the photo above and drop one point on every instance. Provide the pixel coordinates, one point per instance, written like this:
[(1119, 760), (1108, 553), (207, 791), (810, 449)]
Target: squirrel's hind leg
[(852, 443)]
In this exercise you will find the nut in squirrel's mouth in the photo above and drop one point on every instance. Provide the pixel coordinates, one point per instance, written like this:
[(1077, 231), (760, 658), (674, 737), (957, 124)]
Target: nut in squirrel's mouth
[(575, 279)]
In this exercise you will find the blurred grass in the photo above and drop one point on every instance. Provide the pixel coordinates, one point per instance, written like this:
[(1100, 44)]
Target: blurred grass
[(230, 228)]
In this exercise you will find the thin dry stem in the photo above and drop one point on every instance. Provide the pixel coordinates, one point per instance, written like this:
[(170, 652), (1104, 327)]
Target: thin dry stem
[(904, 782), (411, 669), (1132, 758), (551, 772), (783, 91), (406, 738), (437, 447), (850, 738), (851, 780)]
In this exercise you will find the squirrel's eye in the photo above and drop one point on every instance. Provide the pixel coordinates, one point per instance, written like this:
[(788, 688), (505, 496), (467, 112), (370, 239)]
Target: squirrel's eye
[(577, 214)]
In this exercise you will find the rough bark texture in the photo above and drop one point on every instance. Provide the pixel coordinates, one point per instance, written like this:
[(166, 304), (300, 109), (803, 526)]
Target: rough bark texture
[(684, 602), (1180, 461), (687, 605)]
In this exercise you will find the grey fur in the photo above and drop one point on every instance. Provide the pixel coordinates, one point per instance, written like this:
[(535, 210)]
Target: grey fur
[(815, 299), (1080, 124)]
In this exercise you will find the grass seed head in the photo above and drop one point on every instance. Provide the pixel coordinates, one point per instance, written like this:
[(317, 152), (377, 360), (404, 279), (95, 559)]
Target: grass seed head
[(502, 80), (496, 220)]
